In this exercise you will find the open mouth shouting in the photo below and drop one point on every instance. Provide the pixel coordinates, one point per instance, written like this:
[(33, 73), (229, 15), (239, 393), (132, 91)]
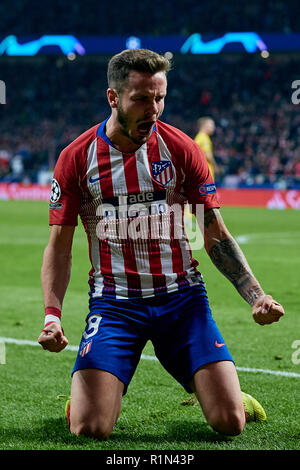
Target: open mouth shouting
[(144, 128)]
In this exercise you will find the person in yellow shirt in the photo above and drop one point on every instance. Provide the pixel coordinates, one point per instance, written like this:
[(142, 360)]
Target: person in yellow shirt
[(206, 127)]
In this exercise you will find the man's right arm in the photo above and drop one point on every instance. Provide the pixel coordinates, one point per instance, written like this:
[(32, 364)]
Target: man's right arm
[(55, 276)]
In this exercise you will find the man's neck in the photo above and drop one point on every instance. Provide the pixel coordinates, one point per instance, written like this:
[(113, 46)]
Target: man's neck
[(119, 140)]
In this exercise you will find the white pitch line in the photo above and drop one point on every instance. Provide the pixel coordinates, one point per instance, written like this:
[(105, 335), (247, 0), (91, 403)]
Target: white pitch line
[(266, 237), (269, 371), (24, 342)]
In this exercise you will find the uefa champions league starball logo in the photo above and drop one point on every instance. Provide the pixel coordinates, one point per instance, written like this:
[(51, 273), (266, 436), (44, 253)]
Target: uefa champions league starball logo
[(55, 191)]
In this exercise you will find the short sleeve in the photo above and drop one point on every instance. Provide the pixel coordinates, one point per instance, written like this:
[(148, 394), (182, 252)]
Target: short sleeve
[(199, 185), (65, 191)]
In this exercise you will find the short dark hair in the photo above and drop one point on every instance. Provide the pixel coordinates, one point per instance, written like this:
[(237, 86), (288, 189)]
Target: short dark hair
[(139, 60)]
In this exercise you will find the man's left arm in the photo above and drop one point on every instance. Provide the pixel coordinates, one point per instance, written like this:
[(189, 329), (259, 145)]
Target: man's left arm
[(228, 257)]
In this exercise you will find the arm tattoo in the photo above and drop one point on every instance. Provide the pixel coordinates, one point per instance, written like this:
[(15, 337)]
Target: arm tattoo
[(230, 260), (209, 217)]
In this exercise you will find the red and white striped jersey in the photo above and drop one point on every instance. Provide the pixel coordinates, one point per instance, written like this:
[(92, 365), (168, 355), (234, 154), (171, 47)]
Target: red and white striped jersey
[(136, 245)]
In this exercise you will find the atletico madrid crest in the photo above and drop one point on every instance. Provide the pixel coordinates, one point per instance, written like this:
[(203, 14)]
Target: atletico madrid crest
[(86, 347), (162, 172)]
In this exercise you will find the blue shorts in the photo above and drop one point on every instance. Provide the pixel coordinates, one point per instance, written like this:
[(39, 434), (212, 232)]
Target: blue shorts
[(180, 326)]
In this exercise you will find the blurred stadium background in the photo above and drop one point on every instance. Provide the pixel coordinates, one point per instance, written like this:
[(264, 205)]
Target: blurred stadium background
[(53, 96), (57, 93)]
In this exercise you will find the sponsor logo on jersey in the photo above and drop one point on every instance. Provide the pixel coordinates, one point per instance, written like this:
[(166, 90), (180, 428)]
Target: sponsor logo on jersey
[(134, 205), (162, 172), (208, 188)]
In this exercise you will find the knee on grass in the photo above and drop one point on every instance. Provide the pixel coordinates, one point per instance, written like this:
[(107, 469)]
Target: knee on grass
[(228, 423), (97, 430)]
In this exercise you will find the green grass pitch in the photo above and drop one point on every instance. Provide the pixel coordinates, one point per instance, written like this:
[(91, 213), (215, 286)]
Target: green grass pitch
[(152, 416)]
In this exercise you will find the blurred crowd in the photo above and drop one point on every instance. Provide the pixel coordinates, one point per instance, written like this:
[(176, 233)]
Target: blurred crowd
[(51, 100), (257, 136), (92, 17)]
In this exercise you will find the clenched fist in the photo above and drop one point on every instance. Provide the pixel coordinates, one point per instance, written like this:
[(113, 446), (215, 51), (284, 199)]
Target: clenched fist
[(52, 338), (267, 311)]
